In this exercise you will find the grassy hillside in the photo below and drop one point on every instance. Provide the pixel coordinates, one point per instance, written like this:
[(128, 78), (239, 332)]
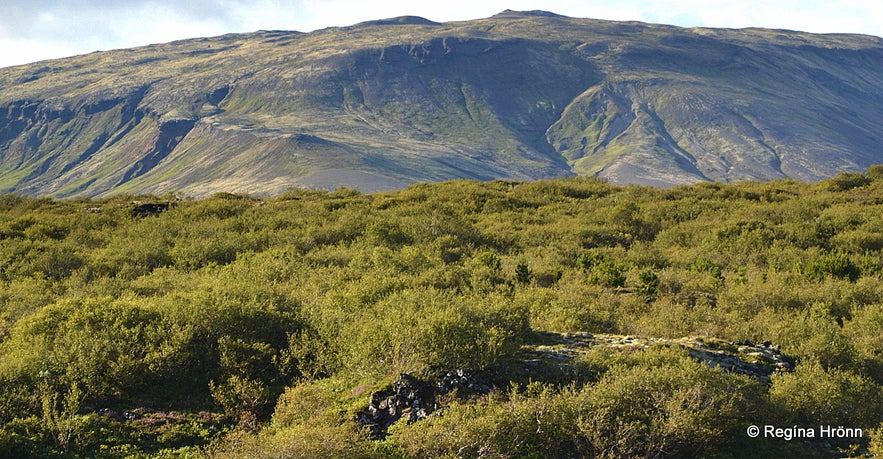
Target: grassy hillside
[(384, 104), (588, 314)]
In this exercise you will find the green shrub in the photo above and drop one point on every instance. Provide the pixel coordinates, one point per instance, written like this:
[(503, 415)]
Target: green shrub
[(837, 264), (846, 181), (875, 446), (538, 423), (343, 441), (419, 330), (647, 284), (523, 275), (814, 335), (602, 269), (244, 399), (486, 270), (26, 437), (679, 408), (575, 305), (108, 347), (607, 274), (307, 403), (813, 395), (385, 233), (865, 332), (874, 172)]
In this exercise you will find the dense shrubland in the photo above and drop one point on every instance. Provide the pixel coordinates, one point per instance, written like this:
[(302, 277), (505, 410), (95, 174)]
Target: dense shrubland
[(234, 327)]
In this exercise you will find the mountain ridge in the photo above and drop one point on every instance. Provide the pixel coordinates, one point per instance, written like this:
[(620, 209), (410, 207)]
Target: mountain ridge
[(382, 104)]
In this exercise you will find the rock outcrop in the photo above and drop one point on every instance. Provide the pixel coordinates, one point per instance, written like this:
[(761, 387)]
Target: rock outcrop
[(758, 361), (413, 399)]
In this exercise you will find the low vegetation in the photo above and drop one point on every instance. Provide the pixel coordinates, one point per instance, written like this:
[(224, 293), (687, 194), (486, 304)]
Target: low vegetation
[(231, 326)]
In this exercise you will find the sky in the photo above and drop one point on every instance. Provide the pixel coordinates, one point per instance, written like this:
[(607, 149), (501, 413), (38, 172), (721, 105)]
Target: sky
[(34, 30)]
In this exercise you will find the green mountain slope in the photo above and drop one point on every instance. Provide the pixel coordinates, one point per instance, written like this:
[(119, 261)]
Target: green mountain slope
[(383, 104)]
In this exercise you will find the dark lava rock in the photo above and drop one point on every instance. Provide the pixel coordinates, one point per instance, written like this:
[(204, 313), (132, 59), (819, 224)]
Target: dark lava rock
[(407, 397)]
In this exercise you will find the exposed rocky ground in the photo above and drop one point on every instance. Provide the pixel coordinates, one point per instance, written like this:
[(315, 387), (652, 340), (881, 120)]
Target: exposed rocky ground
[(759, 361), (413, 399)]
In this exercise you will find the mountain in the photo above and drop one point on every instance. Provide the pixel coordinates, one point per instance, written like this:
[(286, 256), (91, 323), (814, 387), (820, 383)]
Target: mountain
[(383, 104)]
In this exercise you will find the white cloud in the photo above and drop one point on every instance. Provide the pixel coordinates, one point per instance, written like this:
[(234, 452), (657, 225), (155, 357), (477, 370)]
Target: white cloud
[(831, 16), (18, 51)]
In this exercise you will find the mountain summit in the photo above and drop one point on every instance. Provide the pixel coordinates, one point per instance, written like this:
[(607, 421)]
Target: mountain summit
[(382, 104)]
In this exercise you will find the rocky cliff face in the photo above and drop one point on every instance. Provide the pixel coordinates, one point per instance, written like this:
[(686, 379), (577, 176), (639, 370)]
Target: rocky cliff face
[(384, 104)]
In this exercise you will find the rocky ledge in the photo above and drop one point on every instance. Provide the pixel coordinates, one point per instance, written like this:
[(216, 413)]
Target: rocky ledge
[(758, 361), (415, 399)]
